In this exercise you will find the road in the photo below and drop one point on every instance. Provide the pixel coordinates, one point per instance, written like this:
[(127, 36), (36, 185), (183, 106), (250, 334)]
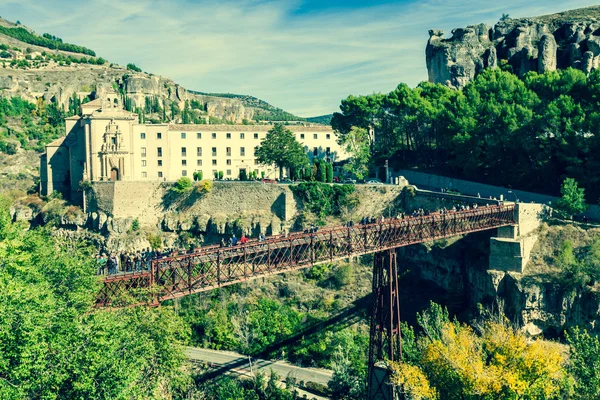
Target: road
[(239, 363)]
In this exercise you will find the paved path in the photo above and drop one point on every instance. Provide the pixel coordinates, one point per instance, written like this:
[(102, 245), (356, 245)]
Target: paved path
[(240, 363), (237, 363)]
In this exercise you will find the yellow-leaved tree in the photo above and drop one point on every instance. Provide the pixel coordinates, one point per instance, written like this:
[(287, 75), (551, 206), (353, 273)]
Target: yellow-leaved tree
[(494, 361)]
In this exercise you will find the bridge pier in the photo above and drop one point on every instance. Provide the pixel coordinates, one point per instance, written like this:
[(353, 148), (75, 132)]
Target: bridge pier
[(385, 343)]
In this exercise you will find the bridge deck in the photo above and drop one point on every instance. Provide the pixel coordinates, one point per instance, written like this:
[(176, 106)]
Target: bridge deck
[(211, 267)]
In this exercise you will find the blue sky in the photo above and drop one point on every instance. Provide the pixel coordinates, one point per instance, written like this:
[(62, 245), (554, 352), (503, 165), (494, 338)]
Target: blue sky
[(302, 56)]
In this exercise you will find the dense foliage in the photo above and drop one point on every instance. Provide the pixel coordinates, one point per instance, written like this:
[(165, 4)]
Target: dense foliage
[(450, 360), (324, 200), (55, 345), (530, 133), (48, 41), (32, 125)]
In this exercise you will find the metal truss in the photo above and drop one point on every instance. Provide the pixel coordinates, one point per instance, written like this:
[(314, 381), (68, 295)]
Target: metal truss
[(211, 267), (385, 339)]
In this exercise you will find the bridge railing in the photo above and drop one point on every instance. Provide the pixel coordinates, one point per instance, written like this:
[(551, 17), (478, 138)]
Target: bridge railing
[(180, 275)]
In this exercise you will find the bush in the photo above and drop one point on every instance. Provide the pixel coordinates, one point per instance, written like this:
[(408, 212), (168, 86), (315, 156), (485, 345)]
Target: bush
[(183, 185), (155, 241), (221, 175), (198, 175), (343, 276), (135, 225), (204, 186), (133, 67)]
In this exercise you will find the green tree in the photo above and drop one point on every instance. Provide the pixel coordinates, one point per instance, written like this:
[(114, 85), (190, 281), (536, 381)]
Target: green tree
[(584, 363), (133, 67), (322, 174), (281, 148), (329, 172), (573, 197), (357, 145)]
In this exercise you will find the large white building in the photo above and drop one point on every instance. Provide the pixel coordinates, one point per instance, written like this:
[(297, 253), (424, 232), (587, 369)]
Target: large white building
[(107, 143)]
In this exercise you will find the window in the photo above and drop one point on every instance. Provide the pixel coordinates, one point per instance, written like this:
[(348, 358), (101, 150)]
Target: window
[(228, 135), (143, 163), (228, 172), (144, 174), (228, 162), (214, 151), (242, 151), (256, 136), (183, 152), (113, 140), (142, 135), (328, 150), (315, 136), (159, 174), (228, 151), (199, 135), (143, 152), (158, 135), (184, 162), (213, 135), (214, 162), (255, 162), (242, 135), (183, 135), (198, 151), (199, 163), (159, 151), (328, 136), (215, 173), (160, 163), (302, 136), (184, 173), (315, 152)]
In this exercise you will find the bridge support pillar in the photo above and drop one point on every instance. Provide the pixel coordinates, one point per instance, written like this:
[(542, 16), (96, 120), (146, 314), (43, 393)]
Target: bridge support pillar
[(385, 340)]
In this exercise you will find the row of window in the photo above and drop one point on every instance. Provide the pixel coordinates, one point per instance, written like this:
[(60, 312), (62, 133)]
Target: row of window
[(198, 162), (159, 151), (214, 135), (214, 151), (184, 173)]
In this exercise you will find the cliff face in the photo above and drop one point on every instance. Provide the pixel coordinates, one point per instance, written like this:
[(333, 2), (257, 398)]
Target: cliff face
[(456, 273), (569, 39)]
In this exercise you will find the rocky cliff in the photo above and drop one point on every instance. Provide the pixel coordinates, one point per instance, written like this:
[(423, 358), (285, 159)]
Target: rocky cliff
[(37, 72), (540, 300), (568, 39)]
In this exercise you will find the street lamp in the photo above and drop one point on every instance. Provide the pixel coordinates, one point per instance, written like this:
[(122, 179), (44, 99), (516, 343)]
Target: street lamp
[(514, 194)]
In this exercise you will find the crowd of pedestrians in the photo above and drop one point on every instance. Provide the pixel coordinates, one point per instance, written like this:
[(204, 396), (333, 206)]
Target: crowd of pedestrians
[(113, 263)]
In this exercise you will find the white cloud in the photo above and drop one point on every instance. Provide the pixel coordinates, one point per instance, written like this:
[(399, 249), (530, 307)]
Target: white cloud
[(302, 63)]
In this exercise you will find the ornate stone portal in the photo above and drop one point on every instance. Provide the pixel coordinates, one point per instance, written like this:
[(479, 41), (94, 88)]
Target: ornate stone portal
[(113, 154)]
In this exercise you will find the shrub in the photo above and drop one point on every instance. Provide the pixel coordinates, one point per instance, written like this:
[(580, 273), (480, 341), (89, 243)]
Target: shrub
[(221, 175), (183, 185), (204, 186), (155, 241), (343, 276), (135, 225), (198, 175), (133, 67)]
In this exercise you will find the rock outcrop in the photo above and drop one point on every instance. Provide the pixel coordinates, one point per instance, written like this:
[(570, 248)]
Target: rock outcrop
[(558, 41)]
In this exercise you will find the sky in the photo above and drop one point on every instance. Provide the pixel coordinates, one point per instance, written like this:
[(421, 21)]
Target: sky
[(300, 55)]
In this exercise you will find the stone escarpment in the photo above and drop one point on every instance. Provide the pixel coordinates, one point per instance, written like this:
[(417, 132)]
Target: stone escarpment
[(559, 41), (457, 274)]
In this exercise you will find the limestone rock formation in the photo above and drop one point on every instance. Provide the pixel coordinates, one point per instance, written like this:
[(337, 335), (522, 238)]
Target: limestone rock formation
[(558, 41)]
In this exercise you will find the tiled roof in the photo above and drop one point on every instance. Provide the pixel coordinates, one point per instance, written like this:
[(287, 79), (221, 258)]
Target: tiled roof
[(246, 128)]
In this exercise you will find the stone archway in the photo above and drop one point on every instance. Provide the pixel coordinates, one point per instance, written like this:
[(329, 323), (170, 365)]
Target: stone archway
[(114, 174)]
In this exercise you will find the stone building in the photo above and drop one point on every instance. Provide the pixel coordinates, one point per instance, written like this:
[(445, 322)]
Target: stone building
[(107, 143)]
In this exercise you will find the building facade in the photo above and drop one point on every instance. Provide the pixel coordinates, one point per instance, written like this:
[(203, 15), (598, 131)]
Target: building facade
[(108, 144)]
